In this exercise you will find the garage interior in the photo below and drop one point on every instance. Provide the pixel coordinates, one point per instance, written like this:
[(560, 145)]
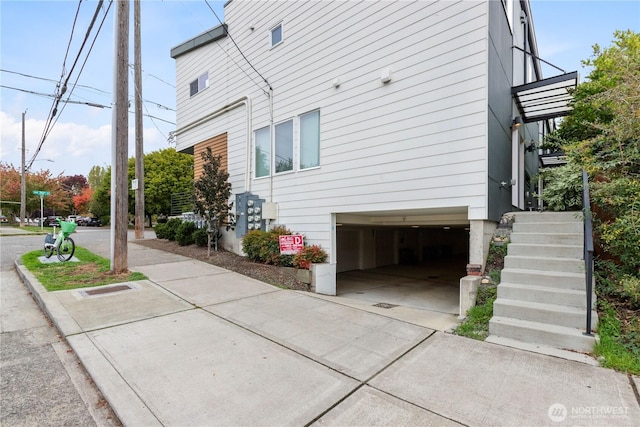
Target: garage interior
[(405, 261)]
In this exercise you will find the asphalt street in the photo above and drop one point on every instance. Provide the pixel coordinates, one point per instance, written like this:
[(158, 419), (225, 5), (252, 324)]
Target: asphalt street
[(41, 380)]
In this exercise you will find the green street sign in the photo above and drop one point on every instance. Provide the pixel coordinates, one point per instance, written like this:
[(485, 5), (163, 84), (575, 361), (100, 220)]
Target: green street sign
[(41, 193)]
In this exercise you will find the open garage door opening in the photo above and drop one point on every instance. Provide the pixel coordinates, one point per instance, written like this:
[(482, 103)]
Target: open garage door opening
[(415, 266)]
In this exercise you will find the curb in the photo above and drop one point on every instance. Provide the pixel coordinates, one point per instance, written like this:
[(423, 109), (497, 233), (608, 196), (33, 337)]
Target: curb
[(123, 400)]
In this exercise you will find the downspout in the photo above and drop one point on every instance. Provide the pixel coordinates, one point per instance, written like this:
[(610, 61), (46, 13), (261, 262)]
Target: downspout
[(271, 144)]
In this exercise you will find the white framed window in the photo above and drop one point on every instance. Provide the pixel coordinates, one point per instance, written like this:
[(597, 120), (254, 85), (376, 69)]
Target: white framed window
[(310, 140), (284, 146), (199, 84), (276, 35), (263, 152), (295, 145)]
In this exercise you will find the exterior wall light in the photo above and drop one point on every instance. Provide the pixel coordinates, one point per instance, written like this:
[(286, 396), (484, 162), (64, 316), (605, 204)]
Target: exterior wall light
[(516, 122)]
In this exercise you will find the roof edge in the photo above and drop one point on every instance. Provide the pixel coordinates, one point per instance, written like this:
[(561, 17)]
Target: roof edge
[(209, 36)]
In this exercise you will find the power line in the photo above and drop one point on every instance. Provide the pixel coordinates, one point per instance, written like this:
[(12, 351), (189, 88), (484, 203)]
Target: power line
[(49, 80), (238, 47), (50, 121)]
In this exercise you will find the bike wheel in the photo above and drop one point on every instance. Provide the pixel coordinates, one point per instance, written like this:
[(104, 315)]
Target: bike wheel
[(48, 250), (66, 249)]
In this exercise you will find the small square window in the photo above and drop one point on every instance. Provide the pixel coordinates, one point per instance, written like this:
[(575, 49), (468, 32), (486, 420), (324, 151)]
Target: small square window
[(201, 83), (276, 35)]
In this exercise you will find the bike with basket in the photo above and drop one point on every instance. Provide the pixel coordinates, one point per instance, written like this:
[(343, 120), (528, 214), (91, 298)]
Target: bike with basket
[(61, 243)]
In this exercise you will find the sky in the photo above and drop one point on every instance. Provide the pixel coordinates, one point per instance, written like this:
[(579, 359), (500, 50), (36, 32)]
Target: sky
[(35, 36)]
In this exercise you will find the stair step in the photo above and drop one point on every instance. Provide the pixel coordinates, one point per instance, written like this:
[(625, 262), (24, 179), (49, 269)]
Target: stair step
[(566, 265), (539, 217), (550, 279), (541, 333), (546, 250), (561, 315), (543, 349), (548, 227), (543, 294), (550, 238)]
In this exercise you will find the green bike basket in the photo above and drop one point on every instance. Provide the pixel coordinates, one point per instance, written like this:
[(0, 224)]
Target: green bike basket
[(68, 227)]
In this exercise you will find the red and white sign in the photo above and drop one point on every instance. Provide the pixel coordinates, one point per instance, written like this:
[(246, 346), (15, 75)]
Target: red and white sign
[(291, 244)]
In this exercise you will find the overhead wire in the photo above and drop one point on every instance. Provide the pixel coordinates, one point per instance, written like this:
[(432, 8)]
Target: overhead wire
[(49, 80), (62, 90), (240, 50)]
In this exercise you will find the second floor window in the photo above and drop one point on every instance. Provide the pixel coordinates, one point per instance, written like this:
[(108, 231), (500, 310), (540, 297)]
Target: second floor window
[(199, 84), (276, 35), (284, 146)]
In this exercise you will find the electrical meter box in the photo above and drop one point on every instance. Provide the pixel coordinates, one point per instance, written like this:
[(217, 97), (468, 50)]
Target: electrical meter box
[(249, 213)]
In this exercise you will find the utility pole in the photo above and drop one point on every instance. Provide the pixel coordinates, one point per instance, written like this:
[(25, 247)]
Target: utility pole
[(119, 143), (139, 212), (23, 180)]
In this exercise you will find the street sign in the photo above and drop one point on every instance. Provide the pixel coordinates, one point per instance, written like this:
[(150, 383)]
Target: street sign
[(291, 244), (41, 193)]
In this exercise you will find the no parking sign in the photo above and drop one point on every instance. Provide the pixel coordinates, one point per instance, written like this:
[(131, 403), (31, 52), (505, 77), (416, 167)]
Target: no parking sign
[(291, 244)]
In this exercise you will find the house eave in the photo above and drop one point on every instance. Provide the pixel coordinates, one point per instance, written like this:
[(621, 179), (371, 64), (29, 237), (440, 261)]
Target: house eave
[(198, 41)]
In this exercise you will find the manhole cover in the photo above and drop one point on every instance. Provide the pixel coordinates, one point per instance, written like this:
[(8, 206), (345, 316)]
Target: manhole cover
[(108, 290), (385, 305)]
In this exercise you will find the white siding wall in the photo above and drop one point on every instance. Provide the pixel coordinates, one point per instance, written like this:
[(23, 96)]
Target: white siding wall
[(417, 142)]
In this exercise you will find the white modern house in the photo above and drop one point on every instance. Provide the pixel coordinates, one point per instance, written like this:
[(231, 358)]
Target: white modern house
[(387, 132)]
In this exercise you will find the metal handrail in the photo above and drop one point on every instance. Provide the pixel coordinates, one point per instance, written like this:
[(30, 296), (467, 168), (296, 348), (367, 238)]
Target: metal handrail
[(588, 246)]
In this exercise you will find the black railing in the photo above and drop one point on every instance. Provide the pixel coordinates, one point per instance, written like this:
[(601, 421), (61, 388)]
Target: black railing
[(588, 246)]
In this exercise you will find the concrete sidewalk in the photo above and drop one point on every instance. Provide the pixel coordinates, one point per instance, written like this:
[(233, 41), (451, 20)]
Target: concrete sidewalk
[(199, 345)]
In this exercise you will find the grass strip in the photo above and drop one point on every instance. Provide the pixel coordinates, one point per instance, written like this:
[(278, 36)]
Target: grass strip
[(617, 348), (476, 325), (91, 270)]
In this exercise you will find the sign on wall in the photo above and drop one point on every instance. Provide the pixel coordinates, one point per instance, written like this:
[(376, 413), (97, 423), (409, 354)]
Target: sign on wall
[(291, 244)]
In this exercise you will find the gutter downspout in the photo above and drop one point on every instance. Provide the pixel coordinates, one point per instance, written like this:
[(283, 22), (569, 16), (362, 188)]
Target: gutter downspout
[(271, 144), (245, 100)]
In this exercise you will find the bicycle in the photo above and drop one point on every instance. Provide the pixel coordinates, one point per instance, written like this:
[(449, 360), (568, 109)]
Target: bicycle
[(61, 243)]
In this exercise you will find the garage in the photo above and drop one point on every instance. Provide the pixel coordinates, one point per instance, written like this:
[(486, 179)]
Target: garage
[(414, 265)]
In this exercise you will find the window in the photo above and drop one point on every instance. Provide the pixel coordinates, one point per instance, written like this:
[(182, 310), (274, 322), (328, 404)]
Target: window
[(284, 146), (263, 152), (199, 84), (295, 145), (310, 140), (276, 35)]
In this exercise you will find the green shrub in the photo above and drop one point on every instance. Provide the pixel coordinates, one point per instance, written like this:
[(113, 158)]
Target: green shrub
[(309, 255), (172, 228), (184, 233), (200, 237), (161, 230), (264, 246)]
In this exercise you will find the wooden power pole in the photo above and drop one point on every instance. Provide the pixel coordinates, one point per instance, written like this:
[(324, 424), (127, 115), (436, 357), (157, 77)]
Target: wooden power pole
[(139, 212), (119, 141), (23, 180)]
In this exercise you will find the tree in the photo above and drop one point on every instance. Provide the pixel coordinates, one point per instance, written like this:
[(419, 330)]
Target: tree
[(96, 176), (82, 200), (166, 172), (212, 191), (57, 203), (100, 204), (73, 185), (602, 136)]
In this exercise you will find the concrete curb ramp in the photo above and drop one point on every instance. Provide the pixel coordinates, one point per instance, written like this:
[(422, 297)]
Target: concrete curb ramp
[(198, 345)]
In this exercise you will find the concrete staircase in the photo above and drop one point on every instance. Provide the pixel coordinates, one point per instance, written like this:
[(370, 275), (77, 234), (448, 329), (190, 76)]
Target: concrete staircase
[(542, 298)]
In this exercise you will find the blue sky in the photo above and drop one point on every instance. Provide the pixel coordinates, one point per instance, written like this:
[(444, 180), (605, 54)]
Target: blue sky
[(34, 36)]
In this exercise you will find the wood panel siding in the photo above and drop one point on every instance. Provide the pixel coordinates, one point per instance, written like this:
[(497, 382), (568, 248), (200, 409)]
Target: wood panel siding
[(218, 145)]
